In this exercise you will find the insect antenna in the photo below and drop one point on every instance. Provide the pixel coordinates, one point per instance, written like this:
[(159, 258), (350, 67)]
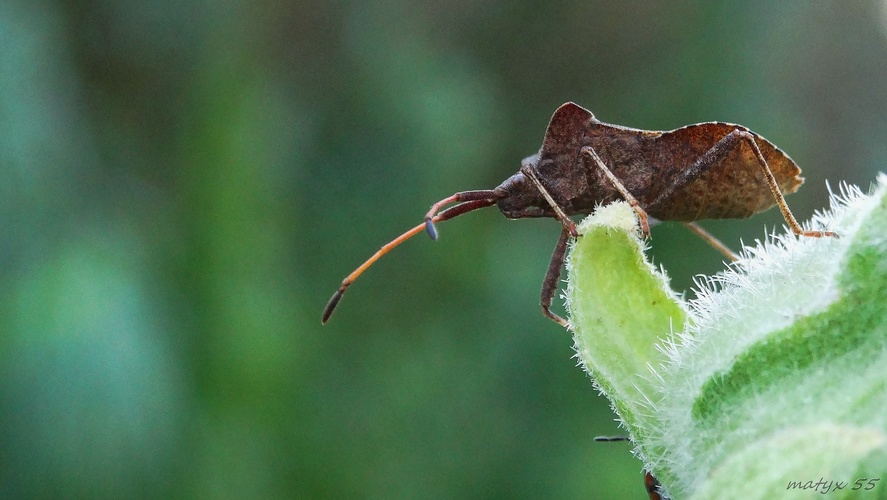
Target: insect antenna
[(490, 195), (468, 201)]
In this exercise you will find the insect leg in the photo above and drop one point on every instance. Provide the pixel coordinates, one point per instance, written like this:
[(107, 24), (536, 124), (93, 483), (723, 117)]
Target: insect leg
[(716, 154), (711, 240), (774, 187), (549, 284), (569, 225), (589, 154)]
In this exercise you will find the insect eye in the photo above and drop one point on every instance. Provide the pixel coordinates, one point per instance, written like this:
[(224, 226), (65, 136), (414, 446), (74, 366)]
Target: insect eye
[(519, 181)]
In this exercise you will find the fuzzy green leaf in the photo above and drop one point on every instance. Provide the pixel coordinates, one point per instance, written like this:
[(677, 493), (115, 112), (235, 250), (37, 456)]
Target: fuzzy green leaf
[(773, 375)]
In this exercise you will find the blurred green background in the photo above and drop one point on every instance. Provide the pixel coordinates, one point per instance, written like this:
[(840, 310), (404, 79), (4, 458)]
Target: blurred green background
[(184, 184)]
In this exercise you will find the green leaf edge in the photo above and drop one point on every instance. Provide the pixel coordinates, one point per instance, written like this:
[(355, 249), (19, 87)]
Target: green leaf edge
[(690, 417)]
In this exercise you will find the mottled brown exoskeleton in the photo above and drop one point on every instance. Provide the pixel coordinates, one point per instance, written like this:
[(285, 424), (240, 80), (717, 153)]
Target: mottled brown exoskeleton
[(708, 170)]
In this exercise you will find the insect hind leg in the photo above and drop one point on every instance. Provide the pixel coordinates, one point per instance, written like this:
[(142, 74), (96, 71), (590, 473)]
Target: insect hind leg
[(714, 158), (712, 240)]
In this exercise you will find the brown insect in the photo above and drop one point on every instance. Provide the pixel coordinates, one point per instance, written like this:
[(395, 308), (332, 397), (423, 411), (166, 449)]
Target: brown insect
[(651, 484), (708, 170)]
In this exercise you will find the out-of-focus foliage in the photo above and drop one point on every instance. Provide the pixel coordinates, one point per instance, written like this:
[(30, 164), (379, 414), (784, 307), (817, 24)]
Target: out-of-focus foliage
[(185, 183)]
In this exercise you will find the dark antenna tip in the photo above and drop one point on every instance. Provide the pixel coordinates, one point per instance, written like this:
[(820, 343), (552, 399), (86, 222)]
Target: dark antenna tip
[(610, 439), (430, 229), (331, 305), (469, 201)]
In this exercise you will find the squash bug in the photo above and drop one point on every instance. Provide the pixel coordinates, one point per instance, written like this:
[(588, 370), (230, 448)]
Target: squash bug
[(710, 170)]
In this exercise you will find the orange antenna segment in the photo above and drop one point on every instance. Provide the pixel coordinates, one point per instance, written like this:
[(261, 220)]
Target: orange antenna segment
[(471, 200)]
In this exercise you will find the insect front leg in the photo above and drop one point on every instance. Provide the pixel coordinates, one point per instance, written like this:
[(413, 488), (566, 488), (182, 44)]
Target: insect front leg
[(530, 172), (589, 155), (549, 284)]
